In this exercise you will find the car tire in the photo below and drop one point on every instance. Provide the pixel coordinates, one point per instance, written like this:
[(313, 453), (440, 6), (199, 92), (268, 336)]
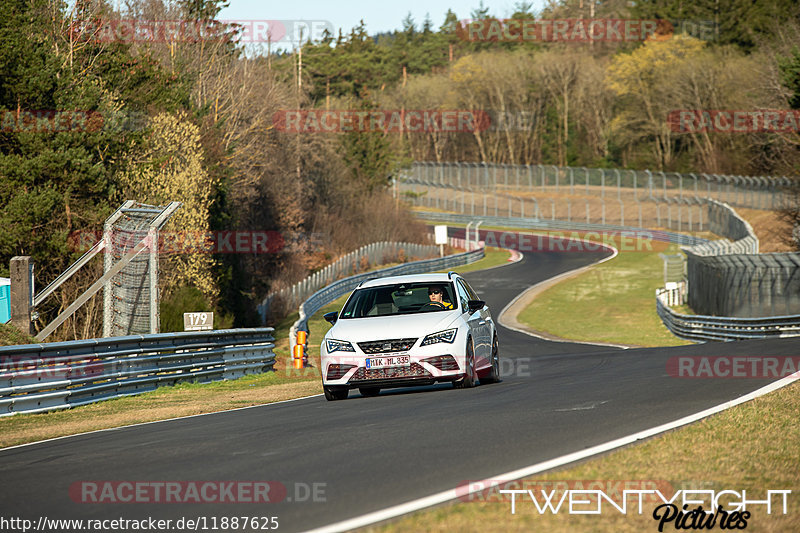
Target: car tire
[(470, 378), (494, 373), (369, 392), (336, 393)]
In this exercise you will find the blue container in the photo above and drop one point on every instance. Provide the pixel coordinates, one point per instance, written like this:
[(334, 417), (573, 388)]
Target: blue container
[(5, 302)]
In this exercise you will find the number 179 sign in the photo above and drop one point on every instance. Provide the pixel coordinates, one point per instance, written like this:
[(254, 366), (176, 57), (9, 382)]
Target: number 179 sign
[(198, 321)]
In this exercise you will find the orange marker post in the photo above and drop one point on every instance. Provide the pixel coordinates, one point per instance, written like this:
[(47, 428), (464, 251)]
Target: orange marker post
[(297, 360)]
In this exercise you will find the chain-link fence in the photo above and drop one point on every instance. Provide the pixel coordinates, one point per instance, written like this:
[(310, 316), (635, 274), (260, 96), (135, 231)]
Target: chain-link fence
[(604, 196), (130, 276), (131, 296)]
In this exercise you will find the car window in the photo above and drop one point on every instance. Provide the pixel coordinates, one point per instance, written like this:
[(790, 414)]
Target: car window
[(399, 299), (470, 291), (462, 294)]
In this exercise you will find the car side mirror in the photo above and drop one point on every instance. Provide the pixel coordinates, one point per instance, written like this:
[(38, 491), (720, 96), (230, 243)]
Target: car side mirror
[(475, 305), (331, 317)]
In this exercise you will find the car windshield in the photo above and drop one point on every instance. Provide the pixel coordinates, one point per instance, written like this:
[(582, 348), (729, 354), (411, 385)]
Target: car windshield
[(400, 299)]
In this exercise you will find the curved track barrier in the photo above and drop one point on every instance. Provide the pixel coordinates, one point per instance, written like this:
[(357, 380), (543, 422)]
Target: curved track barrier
[(45, 377), (720, 328), (344, 266)]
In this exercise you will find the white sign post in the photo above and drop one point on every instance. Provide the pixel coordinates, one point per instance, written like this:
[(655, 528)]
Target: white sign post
[(198, 321), (440, 233)]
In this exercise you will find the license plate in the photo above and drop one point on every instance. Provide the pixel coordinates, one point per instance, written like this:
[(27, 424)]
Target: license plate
[(384, 362)]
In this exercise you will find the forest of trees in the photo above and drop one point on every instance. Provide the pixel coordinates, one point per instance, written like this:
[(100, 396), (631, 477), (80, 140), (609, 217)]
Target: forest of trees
[(205, 132)]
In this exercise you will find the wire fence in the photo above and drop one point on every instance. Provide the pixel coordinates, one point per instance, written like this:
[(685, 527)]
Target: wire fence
[(604, 196)]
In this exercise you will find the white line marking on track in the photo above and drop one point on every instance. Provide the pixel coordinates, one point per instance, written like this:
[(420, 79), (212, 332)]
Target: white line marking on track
[(448, 495)]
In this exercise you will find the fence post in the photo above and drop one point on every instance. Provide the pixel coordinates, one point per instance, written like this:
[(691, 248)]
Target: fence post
[(571, 180), (556, 171), (22, 293)]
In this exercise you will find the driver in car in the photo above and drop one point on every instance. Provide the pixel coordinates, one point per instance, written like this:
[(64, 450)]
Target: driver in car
[(436, 296)]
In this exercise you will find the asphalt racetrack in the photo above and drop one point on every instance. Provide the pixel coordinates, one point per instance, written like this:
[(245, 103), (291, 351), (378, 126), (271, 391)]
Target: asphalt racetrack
[(339, 460)]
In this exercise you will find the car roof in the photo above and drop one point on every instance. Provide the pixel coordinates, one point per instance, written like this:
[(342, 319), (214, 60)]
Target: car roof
[(409, 278)]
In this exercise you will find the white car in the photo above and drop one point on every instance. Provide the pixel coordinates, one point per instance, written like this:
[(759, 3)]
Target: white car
[(409, 330)]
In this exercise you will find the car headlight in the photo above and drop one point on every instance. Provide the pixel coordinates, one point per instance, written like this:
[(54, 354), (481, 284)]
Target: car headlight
[(448, 335), (339, 346)]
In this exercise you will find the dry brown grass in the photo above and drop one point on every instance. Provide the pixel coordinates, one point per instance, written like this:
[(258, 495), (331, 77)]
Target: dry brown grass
[(772, 230)]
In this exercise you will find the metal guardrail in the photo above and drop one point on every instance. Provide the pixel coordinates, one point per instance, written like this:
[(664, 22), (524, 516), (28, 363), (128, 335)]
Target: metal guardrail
[(731, 276), (344, 266), (739, 235), (712, 328), (326, 295), (45, 377), (561, 225)]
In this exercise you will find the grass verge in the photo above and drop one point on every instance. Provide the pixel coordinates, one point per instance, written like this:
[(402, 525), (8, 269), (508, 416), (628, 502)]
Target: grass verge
[(612, 302), (728, 451)]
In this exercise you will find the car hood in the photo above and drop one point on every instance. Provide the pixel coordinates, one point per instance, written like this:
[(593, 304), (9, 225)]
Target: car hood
[(392, 327)]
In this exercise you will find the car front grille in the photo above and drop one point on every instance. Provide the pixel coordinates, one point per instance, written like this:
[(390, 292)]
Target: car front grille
[(386, 346), (415, 370)]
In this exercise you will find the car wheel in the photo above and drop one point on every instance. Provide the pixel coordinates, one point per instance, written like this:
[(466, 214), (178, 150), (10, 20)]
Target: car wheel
[(494, 373), (470, 378), (336, 393), (369, 391)]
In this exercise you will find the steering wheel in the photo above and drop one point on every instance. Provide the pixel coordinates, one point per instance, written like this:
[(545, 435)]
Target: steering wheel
[(436, 305)]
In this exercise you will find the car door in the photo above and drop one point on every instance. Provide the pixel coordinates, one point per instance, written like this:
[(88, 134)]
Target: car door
[(477, 323), (485, 322)]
